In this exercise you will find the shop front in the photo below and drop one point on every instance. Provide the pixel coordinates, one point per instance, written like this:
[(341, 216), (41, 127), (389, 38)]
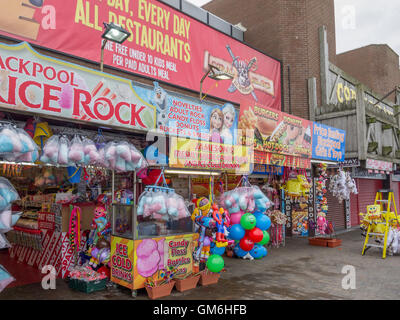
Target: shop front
[(282, 162), (75, 119), (328, 150)]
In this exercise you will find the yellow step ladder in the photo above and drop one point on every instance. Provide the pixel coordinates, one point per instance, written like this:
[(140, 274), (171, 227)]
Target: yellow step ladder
[(386, 214)]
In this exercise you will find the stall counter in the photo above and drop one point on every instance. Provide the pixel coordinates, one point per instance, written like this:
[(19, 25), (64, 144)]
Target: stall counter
[(132, 261)]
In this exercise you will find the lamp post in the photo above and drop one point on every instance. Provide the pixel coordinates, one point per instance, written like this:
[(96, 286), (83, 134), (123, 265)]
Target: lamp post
[(215, 74), (115, 33)]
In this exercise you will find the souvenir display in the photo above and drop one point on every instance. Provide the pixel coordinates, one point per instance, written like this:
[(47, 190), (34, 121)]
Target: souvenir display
[(247, 206), (341, 185)]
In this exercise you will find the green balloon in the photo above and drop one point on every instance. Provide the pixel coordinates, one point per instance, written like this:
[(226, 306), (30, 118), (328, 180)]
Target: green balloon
[(265, 238), (248, 221), (215, 263)]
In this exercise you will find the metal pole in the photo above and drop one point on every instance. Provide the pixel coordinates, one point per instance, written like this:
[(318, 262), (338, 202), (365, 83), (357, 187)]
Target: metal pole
[(134, 222), (102, 54)]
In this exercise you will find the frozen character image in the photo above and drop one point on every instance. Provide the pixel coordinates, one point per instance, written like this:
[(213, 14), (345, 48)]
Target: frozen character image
[(216, 121), (159, 100), (229, 118)]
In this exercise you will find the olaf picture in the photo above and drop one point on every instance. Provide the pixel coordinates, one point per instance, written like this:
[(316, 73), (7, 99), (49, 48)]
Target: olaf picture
[(159, 100)]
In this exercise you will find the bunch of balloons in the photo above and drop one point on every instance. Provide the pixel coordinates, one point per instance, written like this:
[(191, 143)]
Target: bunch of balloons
[(250, 235)]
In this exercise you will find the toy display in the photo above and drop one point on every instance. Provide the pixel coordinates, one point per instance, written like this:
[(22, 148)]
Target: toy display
[(100, 253), (321, 202), (101, 227), (249, 223), (341, 185)]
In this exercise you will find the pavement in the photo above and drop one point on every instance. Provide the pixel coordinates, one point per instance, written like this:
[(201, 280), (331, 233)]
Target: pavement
[(297, 271)]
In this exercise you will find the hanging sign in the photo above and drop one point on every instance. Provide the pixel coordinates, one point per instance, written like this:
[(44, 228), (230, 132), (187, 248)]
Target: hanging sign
[(267, 169), (164, 44), (379, 165), (328, 143), (197, 154), (274, 131), (33, 83), (281, 160)]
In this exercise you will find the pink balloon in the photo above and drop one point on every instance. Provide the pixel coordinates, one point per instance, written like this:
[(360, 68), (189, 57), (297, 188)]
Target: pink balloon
[(235, 217)]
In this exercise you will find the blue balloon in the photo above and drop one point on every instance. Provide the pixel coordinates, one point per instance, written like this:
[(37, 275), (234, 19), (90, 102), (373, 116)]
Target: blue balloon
[(263, 222), (257, 251), (264, 251), (239, 251), (257, 213), (218, 250), (236, 232)]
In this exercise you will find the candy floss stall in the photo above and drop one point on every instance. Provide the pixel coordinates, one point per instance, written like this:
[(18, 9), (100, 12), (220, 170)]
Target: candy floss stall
[(151, 239)]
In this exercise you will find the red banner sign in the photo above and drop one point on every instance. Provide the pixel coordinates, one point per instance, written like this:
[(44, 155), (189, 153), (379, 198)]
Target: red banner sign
[(273, 131), (164, 44), (281, 160)]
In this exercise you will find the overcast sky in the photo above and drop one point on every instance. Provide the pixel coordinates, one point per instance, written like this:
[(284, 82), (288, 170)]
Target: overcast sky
[(362, 22)]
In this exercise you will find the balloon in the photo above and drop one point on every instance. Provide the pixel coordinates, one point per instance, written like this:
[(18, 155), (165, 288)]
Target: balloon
[(258, 214), (235, 217), (256, 235), (218, 250), (257, 252), (215, 263), (246, 244), (263, 222), (206, 241), (264, 252), (265, 238), (248, 221), (236, 232), (239, 252)]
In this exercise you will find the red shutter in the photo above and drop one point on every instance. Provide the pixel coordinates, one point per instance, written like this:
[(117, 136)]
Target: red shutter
[(336, 211), (367, 189)]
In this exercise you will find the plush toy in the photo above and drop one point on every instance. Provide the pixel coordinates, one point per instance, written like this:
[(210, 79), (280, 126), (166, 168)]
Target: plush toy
[(100, 254), (100, 224), (321, 222), (202, 208)]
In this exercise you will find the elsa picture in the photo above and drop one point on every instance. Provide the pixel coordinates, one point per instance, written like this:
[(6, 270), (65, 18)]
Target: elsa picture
[(229, 114)]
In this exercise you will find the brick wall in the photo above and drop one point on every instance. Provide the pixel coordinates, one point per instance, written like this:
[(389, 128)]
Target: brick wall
[(376, 66), (287, 30)]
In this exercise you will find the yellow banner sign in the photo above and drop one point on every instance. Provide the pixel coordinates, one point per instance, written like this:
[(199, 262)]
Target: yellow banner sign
[(122, 262), (196, 154), (154, 257)]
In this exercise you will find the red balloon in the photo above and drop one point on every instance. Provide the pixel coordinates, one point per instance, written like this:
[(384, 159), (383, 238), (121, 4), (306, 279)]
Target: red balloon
[(246, 244), (256, 235)]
